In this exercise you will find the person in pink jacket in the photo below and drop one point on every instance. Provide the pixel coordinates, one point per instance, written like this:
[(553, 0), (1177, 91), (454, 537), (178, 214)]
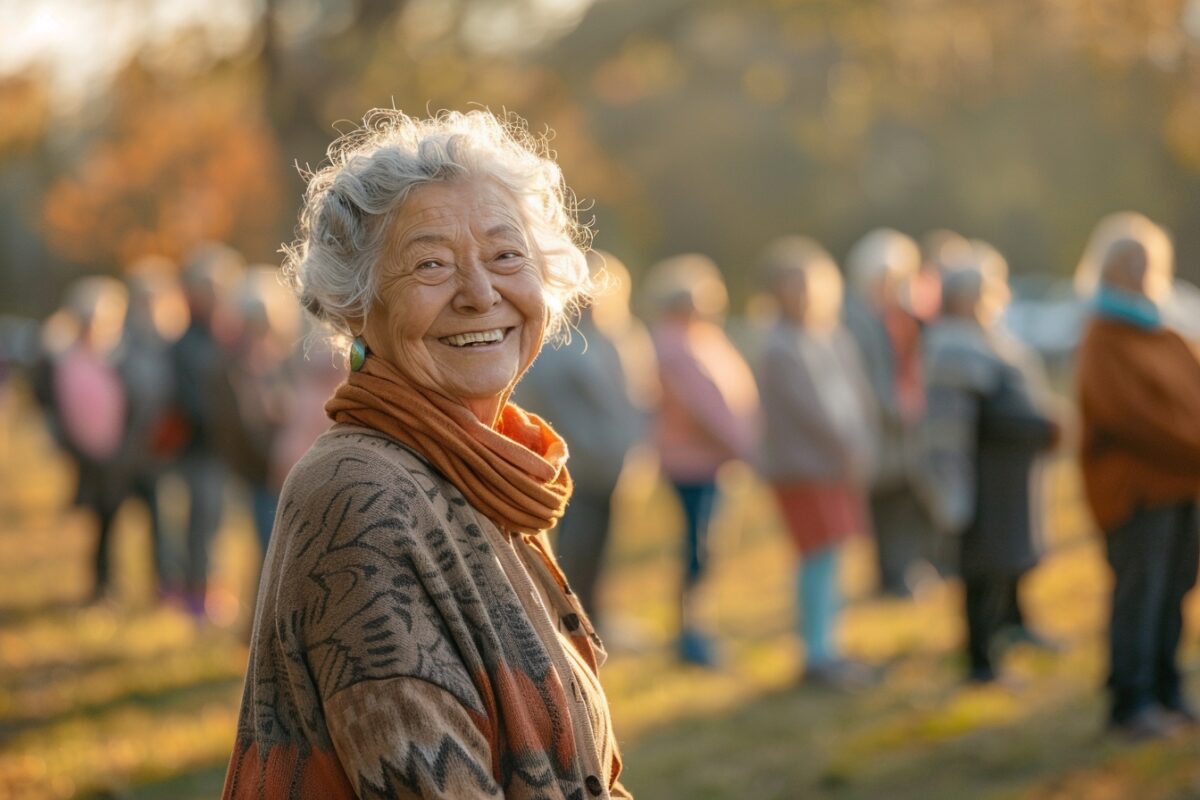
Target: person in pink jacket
[(705, 417)]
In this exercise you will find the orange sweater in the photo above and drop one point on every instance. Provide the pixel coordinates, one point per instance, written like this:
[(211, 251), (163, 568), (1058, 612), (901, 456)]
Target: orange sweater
[(1139, 395)]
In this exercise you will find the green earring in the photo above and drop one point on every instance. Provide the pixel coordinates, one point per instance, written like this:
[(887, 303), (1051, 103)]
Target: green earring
[(358, 354)]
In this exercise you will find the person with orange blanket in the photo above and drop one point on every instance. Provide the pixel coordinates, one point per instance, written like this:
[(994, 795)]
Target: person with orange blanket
[(1139, 394), (414, 636)]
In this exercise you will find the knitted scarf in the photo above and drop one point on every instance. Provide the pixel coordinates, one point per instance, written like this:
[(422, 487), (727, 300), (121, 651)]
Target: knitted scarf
[(514, 474)]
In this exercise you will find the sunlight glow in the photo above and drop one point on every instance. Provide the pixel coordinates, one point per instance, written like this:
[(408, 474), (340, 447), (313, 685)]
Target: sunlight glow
[(81, 44)]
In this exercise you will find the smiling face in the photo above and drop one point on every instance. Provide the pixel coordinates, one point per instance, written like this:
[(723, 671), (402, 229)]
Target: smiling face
[(460, 307)]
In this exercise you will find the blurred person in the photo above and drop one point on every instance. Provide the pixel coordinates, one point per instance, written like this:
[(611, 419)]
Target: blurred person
[(89, 406), (942, 250), (315, 371), (611, 313), (1177, 300), (705, 418), (1139, 397), (199, 361), (982, 436), (994, 266), (880, 268), (250, 398), (154, 431), (581, 389), (414, 636), (817, 445)]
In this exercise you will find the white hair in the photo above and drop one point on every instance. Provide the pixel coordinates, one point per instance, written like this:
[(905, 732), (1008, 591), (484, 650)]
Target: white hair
[(350, 204), (800, 255), (1160, 252), (691, 281), (983, 276), (883, 254)]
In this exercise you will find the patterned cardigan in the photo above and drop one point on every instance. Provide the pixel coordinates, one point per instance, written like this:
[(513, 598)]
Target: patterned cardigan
[(406, 648)]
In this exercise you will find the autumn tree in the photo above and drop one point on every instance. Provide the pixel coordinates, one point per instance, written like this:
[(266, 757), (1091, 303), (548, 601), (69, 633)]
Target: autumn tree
[(172, 168)]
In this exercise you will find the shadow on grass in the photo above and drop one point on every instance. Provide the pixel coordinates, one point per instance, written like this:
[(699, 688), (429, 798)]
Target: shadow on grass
[(203, 782), (56, 608), (894, 742), (194, 694)]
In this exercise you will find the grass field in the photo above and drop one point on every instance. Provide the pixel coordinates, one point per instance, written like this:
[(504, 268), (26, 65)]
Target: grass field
[(131, 700)]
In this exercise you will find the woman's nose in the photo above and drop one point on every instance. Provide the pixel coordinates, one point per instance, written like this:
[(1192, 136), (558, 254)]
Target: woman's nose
[(476, 292)]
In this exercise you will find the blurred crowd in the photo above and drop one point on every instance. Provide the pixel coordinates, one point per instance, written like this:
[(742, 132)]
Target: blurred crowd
[(198, 370), (891, 398), (900, 403)]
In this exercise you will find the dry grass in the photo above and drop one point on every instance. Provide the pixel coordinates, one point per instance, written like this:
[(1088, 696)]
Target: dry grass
[(132, 700)]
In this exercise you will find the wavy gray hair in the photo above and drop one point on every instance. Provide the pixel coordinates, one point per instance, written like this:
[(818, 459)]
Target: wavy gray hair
[(350, 204)]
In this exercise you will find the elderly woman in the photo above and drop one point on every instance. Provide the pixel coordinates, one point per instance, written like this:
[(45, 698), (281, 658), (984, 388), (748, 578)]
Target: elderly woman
[(1139, 398), (983, 432), (881, 268), (82, 385), (705, 416), (156, 313), (198, 361), (818, 445), (414, 636)]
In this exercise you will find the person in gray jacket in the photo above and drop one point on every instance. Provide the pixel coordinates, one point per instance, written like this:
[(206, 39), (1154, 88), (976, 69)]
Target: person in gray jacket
[(881, 268), (982, 435), (818, 444), (582, 390)]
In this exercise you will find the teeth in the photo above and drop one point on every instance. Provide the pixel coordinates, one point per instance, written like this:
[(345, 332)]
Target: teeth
[(474, 337)]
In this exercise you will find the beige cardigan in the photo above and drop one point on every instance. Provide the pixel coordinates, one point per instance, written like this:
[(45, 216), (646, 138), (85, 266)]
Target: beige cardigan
[(406, 648)]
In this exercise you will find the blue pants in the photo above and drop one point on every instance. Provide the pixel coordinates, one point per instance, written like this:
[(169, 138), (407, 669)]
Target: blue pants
[(699, 500), (818, 601)]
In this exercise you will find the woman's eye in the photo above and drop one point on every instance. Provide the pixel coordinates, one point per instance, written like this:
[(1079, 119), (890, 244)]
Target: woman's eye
[(429, 264), (510, 259)]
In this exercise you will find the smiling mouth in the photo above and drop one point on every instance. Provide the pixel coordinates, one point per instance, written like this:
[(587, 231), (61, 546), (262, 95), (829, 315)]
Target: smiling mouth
[(475, 338)]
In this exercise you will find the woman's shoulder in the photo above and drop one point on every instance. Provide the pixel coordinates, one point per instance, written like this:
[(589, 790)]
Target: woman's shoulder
[(359, 472), (350, 449)]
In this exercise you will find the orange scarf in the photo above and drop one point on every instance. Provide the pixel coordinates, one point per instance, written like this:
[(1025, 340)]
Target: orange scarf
[(514, 474)]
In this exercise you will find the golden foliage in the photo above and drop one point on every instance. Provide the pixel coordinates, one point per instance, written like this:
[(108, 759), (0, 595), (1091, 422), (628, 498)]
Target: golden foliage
[(177, 168), (24, 109)]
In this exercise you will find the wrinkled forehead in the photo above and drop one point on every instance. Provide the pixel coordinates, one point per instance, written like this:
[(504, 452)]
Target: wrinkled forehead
[(479, 208)]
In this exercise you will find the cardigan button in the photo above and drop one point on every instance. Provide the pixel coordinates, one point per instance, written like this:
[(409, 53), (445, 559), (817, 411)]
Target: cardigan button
[(594, 785), (571, 622)]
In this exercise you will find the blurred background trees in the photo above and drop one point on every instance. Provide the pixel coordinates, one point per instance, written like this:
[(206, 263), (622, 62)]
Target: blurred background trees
[(702, 125)]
